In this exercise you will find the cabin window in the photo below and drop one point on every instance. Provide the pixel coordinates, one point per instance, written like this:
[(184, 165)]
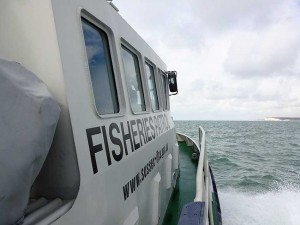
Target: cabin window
[(134, 81), (101, 70), (151, 86), (165, 95)]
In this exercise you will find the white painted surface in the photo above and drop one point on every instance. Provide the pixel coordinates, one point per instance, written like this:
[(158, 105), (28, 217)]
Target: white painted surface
[(46, 37), (168, 171), (156, 199), (133, 218), (175, 156)]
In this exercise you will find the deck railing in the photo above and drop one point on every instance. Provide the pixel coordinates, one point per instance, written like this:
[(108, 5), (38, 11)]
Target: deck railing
[(203, 179)]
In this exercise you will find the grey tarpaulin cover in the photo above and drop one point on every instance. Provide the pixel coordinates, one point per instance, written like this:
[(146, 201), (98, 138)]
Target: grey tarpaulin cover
[(28, 119)]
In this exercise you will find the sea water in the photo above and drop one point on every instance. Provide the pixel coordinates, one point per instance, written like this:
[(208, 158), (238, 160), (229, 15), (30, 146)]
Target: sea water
[(257, 169)]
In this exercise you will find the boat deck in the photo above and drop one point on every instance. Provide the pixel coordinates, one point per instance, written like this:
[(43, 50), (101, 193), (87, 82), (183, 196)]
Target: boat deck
[(185, 189)]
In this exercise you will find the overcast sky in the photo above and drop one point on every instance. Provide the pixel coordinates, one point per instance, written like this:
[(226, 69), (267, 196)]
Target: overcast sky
[(236, 59)]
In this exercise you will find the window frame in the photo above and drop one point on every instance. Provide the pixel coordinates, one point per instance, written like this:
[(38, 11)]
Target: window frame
[(131, 49), (165, 96), (119, 91), (147, 61)]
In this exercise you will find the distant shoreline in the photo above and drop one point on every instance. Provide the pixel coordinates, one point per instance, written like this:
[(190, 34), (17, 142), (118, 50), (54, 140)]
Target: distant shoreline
[(254, 120), (282, 119)]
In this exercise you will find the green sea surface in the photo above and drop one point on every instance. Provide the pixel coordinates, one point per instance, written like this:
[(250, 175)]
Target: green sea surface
[(257, 169)]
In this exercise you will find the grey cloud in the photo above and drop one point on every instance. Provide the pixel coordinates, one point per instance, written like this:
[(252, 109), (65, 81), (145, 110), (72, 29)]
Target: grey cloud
[(272, 52), (170, 22), (215, 90), (219, 15), (280, 91), (214, 45), (187, 36)]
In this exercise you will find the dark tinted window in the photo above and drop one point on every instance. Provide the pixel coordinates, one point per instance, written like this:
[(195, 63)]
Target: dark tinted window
[(165, 90), (151, 86), (134, 81), (101, 71)]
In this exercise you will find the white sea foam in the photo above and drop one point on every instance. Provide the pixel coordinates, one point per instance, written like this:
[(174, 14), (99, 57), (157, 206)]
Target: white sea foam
[(272, 208)]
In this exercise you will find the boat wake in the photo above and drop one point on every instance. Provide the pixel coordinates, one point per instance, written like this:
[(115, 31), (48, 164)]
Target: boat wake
[(275, 208)]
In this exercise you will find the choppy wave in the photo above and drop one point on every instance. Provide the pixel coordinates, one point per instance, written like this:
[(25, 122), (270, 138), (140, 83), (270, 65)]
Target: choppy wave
[(271, 208), (256, 167)]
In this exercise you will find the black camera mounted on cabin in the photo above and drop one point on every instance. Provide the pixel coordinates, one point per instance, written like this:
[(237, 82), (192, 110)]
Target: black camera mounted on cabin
[(172, 77)]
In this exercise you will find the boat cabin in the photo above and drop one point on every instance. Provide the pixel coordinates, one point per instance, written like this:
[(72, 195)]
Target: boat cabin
[(114, 156)]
